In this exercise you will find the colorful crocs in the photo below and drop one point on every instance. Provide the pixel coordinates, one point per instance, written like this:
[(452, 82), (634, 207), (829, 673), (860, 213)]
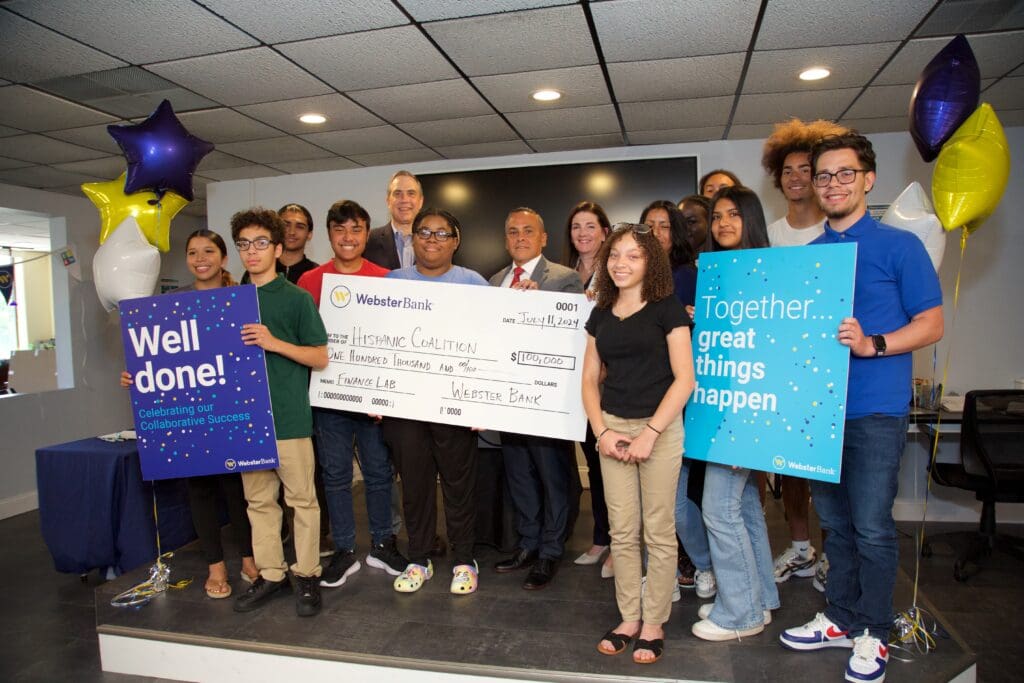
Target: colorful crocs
[(464, 579), (413, 578)]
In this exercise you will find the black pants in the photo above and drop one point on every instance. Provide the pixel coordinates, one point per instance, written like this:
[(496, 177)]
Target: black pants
[(204, 494), (421, 451), (537, 469)]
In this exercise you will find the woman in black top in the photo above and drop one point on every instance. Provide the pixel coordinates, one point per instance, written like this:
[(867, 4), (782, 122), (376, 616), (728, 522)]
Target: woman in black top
[(639, 333)]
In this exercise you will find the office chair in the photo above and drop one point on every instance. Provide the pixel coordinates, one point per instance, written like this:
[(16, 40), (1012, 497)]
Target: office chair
[(992, 465)]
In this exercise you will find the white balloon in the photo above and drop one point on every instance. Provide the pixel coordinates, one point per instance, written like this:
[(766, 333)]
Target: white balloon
[(912, 211), (126, 266)]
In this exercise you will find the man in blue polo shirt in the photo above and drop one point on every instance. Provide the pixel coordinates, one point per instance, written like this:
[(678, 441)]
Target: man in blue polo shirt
[(897, 308)]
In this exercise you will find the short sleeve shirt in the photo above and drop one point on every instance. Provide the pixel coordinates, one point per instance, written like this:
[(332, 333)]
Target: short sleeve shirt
[(312, 281), (456, 275)]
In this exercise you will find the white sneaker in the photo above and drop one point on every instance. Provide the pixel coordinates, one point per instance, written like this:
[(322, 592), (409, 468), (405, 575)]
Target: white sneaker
[(793, 563), (818, 633), (677, 595), (705, 611), (867, 663), (704, 583), (709, 630), (821, 574)]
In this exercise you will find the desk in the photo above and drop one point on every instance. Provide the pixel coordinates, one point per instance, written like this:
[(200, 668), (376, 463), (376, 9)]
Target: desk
[(96, 512)]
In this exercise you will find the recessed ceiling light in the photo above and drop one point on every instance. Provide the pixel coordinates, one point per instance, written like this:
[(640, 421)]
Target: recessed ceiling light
[(312, 118), (547, 95), (815, 74)]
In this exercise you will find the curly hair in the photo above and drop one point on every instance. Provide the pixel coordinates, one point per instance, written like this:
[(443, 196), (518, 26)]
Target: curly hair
[(681, 252), (794, 136), (657, 283), (261, 218)]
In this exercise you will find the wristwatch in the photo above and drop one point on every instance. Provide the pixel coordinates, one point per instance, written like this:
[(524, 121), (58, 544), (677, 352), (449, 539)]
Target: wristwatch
[(879, 342)]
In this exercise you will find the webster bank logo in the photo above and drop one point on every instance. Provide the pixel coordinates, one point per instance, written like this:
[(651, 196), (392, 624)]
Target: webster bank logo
[(778, 462), (341, 296), (229, 464)]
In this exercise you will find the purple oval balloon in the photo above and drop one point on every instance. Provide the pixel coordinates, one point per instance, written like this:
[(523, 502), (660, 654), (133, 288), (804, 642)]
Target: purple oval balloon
[(161, 154), (946, 93)]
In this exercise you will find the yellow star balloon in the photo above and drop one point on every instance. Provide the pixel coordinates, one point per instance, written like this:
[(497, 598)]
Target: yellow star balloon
[(153, 217)]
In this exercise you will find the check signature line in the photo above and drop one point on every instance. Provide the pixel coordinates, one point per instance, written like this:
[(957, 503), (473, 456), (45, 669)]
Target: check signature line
[(505, 405), (428, 372), (423, 353)]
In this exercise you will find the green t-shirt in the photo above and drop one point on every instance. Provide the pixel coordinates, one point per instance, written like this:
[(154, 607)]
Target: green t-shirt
[(289, 314)]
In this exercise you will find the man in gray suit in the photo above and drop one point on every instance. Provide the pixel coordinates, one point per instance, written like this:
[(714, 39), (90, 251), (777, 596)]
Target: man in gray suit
[(390, 245), (537, 468)]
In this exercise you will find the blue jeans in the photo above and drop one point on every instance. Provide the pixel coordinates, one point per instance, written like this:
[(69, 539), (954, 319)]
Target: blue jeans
[(690, 523), (861, 543), (336, 431), (740, 554)]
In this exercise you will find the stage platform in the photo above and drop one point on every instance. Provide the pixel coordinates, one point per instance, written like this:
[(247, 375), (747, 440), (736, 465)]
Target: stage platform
[(368, 632)]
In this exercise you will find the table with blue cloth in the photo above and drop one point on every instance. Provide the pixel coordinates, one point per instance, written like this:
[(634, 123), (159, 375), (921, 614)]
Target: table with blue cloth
[(96, 512)]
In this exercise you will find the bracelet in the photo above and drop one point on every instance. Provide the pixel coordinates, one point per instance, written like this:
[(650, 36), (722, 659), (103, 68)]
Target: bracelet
[(653, 429), (602, 433)]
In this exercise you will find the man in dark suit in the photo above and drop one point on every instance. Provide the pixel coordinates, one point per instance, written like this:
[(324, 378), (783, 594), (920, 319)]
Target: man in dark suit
[(390, 245), (537, 468)]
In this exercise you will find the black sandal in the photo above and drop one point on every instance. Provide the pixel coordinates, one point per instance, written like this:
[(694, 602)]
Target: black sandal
[(620, 641), (657, 646)]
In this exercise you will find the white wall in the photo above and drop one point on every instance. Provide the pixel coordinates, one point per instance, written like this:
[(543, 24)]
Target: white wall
[(91, 361)]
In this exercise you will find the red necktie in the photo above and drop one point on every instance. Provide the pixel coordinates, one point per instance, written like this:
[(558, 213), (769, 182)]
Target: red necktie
[(516, 272)]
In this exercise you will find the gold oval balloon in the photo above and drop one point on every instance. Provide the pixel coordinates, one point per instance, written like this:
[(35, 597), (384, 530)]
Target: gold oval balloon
[(971, 172)]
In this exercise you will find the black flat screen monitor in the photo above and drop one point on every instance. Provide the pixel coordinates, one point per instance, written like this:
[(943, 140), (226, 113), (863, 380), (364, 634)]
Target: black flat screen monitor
[(482, 199)]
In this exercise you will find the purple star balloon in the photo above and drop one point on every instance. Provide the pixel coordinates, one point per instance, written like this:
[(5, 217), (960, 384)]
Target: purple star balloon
[(161, 154), (946, 94)]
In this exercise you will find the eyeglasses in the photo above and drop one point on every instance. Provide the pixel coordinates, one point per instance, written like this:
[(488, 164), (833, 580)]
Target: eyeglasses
[(845, 176), (637, 228), (441, 235), (260, 243)]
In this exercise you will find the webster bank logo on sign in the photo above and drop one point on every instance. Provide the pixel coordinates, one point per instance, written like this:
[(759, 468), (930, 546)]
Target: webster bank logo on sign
[(384, 301), (341, 296)]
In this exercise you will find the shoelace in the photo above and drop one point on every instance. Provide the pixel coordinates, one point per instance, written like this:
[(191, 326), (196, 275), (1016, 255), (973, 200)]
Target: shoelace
[(866, 647)]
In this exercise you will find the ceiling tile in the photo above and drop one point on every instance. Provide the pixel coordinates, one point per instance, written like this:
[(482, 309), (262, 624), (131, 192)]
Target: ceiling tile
[(341, 113), (242, 172), (217, 160), (6, 163), (563, 123), (769, 108), (29, 52), (463, 131), (517, 41), (670, 79), (424, 101), (751, 131), (630, 30), (997, 54), (798, 23), (32, 110), (485, 149), (43, 176), (286, 148), (778, 70), (224, 125), (40, 149), (229, 78), (577, 142), (96, 137), (672, 114), (581, 86), (972, 17), (7, 132), (106, 167), (882, 100), (373, 59), (315, 165), (407, 156), (1005, 94), (885, 124), (363, 140), (664, 137), (140, 31), (285, 20), (433, 10), (142, 105)]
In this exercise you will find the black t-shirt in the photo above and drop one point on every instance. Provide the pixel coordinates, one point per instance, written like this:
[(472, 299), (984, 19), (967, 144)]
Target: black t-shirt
[(636, 355)]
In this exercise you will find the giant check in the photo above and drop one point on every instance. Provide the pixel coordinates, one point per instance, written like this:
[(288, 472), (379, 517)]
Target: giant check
[(475, 356)]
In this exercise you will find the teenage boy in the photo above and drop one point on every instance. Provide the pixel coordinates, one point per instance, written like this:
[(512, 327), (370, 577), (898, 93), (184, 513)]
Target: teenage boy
[(294, 339), (337, 430)]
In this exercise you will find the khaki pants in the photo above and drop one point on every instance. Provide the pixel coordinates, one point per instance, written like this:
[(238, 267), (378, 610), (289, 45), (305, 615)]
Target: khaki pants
[(643, 496), (295, 473)]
